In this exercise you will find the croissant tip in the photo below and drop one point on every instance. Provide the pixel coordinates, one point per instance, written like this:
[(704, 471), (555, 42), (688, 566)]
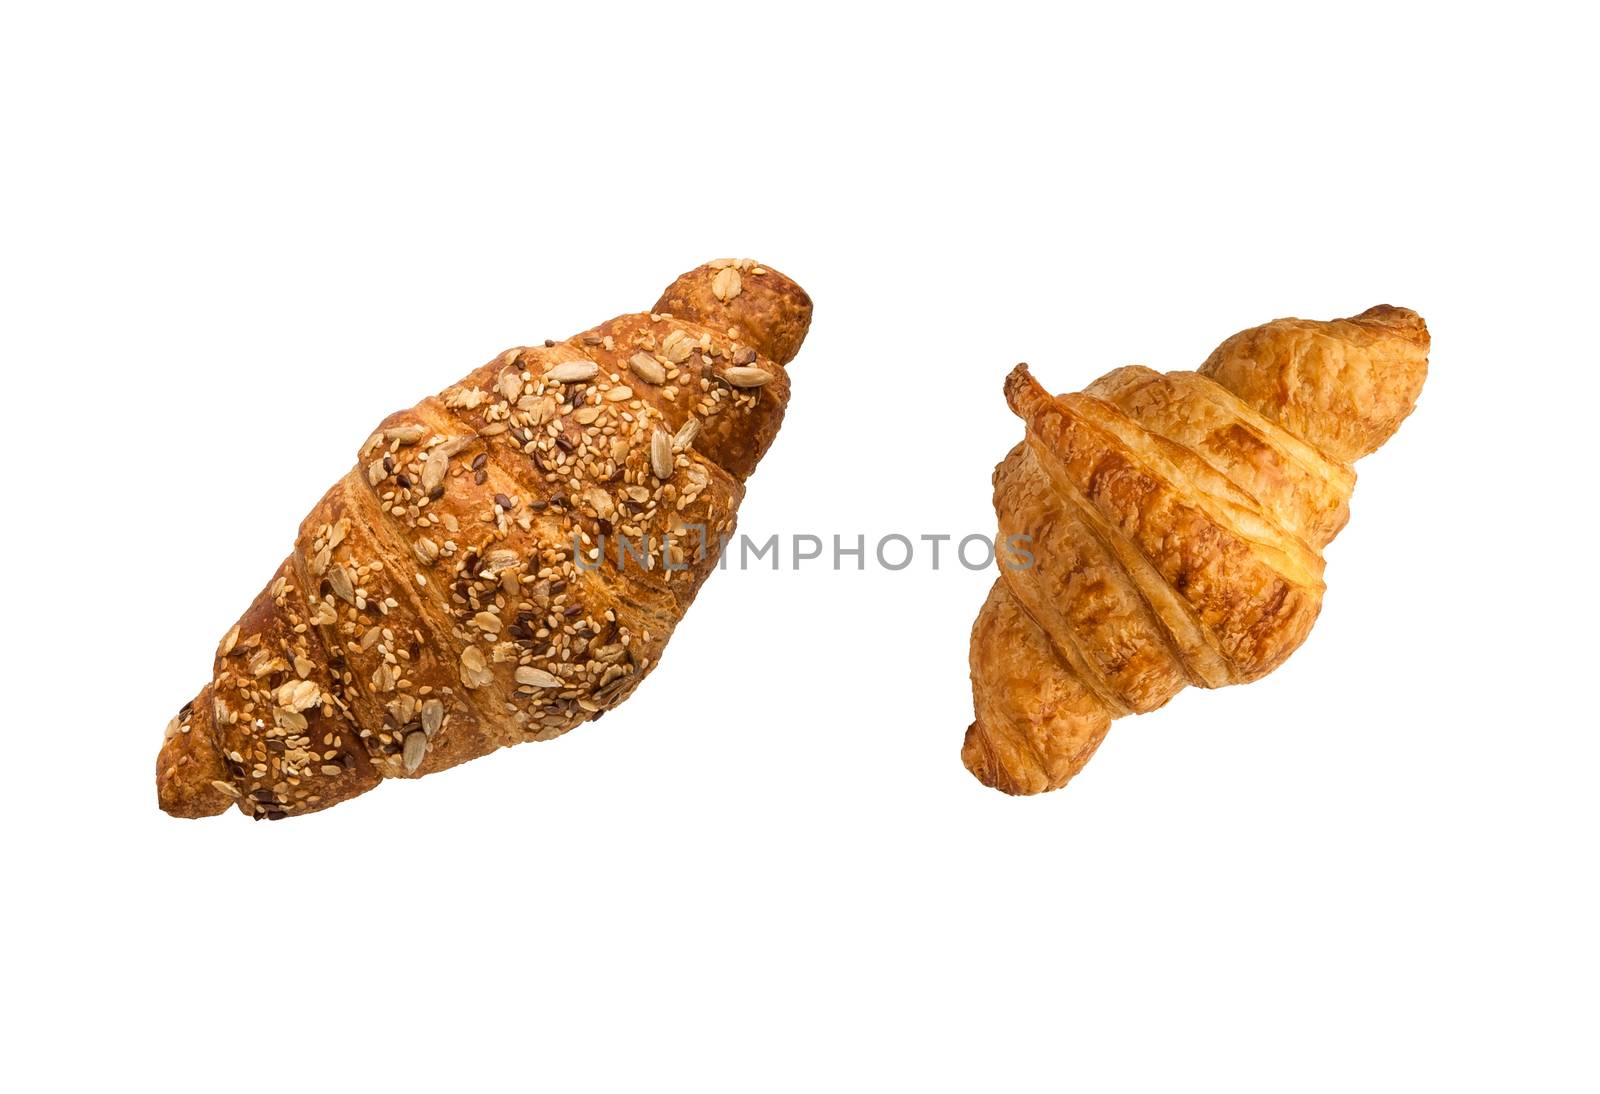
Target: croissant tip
[(1404, 322), (770, 309), (978, 754), (191, 778), (1022, 390)]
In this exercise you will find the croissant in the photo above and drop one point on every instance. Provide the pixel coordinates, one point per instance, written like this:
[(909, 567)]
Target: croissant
[(1173, 530), (458, 591)]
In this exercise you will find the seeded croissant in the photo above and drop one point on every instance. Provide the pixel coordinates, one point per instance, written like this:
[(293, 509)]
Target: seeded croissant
[(506, 560), (1176, 525)]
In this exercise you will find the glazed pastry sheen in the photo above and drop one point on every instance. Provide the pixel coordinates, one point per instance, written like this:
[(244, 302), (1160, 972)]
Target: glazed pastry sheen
[(432, 609), (1177, 523)]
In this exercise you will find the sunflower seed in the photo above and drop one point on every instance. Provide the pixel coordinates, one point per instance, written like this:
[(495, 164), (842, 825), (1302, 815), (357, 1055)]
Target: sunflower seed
[(488, 621), (726, 285), (647, 368), (676, 347), (229, 640), (416, 747), (468, 399), (661, 454), (475, 671), (343, 588), (571, 371), (740, 376), (298, 695), (612, 690), (262, 663), (226, 788), (537, 678), (409, 433), (432, 716), (331, 770), (619, 394), (433, 470), (585, 415), (686, 434), (542, 411), (384, 678), (500, 559)]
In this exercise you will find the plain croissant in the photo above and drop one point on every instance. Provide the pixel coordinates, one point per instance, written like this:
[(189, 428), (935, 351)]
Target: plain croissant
[(459, 590), (1176, 525)]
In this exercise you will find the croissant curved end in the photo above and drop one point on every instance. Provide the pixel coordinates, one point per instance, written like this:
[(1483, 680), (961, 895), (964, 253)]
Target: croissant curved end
[(192, 779), (752, 302), (1343, 386), (1017, 779), (1023, 392), (975, 753)]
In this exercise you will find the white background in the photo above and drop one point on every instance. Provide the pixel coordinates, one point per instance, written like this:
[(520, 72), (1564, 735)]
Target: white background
[(234, 239)]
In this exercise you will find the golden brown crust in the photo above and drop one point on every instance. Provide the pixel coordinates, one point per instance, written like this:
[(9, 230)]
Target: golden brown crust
[(1176, 523), (1306, 492), (1037, 725), (1343, 387), (466, 586), (750, 303)]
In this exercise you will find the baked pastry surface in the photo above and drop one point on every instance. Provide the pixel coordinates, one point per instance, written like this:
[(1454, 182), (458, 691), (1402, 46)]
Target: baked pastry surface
[(1176, 524), (467, 586)]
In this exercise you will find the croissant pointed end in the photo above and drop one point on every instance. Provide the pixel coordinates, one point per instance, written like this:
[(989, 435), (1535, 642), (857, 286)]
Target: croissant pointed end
[(768, 311), (1036, 723), (1403, 321), (979, 758), (1018, 777), (1024, 394), (192, 779), (1342, 386)]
